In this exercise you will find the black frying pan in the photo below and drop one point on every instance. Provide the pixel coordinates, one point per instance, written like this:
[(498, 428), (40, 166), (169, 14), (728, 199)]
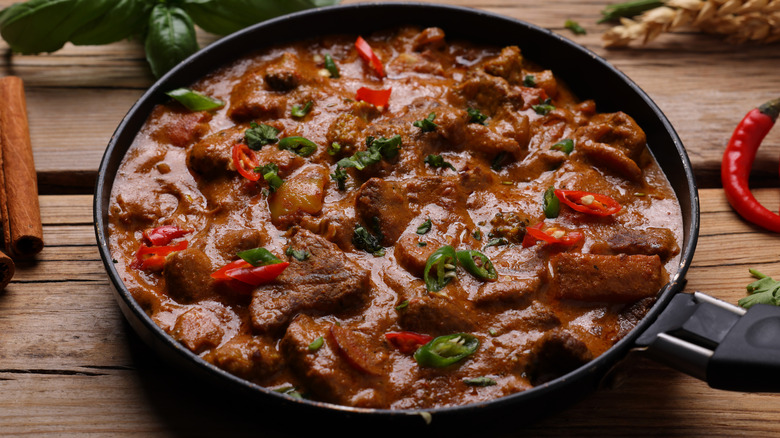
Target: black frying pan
[(695, 333)]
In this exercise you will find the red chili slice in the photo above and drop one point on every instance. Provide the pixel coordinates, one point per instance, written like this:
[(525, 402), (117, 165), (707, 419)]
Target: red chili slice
[(244, 272), (153, 257), (244, 161), (368, 55), (163, 235), (536, 233), (407, 342), (378, 98), (587, 202)]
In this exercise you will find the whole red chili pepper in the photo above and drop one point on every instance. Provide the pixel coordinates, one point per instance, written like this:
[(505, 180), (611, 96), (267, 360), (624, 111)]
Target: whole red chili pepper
[(738, 160)]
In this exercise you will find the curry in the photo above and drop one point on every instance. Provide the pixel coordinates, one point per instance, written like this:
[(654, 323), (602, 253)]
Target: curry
[(392, 221)]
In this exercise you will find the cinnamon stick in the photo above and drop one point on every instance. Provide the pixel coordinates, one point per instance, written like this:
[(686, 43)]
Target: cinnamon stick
[(25, 231)]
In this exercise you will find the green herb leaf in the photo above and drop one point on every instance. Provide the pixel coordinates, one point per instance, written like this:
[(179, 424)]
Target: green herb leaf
[(422, 244), (574, 27), (259, 257), (340, 176), (765, 290), (404, 304), (124, 19), (331, 67), (529, 81), (544, 107), (438, 161), (260, 135), (476, 116), (170, 38), (480, 381), (477, 234), (270, 174), (498, 241), (425, 227), (500, 160), (299, 255), (566, 145), (316, 344), (552, 205), (426, 124), (377, 149), (301, 111), (195, 101), (300, 145), (366, 241)]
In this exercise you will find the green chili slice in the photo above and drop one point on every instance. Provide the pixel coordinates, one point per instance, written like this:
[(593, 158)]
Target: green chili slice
[(552, 205), (440, 268), (301, 111), (330, 65), (566, 145), (300, 145), (259, 257), (195, 101), (477, 264), (446, 350), (316, 344)]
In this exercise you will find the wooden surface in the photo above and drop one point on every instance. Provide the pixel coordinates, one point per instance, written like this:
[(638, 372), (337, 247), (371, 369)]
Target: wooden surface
[(70, 365)]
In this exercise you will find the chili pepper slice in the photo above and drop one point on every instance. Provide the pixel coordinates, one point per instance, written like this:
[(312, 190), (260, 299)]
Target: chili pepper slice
[(378, 98), (738, 161), (407, 342), (259, 257), (244, 161), (244, 272), (553, 235), (477, 264), (587, 202), (446, 350), (163, 235), (367, 53), (552, 205), (152, 258), (440, 268)]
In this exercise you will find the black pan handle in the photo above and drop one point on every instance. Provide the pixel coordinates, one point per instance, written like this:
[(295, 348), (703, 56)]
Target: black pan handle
[(727, 346)]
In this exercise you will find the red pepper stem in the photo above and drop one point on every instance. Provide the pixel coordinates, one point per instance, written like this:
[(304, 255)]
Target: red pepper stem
[(771, 109)]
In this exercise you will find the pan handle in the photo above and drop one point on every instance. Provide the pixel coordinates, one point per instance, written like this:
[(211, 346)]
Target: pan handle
[(727, 346)]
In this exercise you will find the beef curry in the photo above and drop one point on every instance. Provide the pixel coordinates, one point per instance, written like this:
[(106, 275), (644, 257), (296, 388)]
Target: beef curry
[(399, 221)]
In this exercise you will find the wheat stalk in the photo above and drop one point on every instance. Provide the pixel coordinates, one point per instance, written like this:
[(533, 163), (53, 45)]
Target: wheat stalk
[(739, 20)]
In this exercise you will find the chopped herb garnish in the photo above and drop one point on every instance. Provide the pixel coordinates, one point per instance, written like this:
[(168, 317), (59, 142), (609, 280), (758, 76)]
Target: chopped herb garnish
[(544, 107), (566, 145), (425, 227), (492, 332), (299, 255), (331, 66), (426, 124), (640, 194), (552, 205), (300, 145), (334, 148), (480, 381), (376, 150), (316, 344), (260, 135), (438, 161), (476, 116), (195, 101), (529, 81), (477, 234), (499, 161), (301, 111), (340, 176), (498, 241), (574, 27), (270, 173), (422, 244), (362, 239), (404, 304)]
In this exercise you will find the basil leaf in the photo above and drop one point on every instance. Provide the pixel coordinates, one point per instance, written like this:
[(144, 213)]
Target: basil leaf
[(195, 101), (125, 19), (227, 16), (259, 257), (170, 38), (38, 26), (260, 135)]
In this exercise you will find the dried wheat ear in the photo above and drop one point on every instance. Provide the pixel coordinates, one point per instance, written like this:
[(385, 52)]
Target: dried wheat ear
[(738, 20)]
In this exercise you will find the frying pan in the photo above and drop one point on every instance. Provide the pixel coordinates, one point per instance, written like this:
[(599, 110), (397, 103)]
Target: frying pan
[(695, 333)]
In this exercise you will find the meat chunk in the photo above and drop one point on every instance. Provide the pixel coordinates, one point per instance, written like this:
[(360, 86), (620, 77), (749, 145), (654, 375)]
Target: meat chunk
[(282, 74), (345, 370), (611, 278), (348, 131), (437, 315), (383, 207), (614, 141), (211, 156), (230, 242), (188, 275), (179, 126), (508, 64), (556, 353), (327, 282), (431, 38), (650, 241), (517, 292), (198, 329), (411, 256), (248, 357)]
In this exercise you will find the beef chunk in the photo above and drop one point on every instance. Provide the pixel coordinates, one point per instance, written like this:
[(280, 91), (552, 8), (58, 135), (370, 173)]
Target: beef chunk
[(486, 93), (650, 241), (508, 64), (248, 357), (325, 283), (614, 141), (382, 206), (517, 291), (431, 38), (611, 278), (211, 156), (556, 353), (188, 275), (198, 329), (437, 315), (179, 126), (230, 242), (412, 256), (345, 370), (135, 205), (630, 316), (282, 74)]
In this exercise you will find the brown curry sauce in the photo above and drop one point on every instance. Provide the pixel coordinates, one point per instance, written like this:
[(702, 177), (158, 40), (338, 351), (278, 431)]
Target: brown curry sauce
[(553, 306)]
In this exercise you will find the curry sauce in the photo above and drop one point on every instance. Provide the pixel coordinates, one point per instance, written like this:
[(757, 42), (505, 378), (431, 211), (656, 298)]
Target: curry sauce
[(429, 222)]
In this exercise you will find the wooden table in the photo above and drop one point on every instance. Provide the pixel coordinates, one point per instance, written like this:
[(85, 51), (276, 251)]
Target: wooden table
[(70, 365)]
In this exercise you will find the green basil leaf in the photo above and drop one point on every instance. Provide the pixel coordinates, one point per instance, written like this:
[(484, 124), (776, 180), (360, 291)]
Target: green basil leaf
[(170, 38), (259, 257), (227, 16), (195, 101), (125, 19), (38, 26)]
